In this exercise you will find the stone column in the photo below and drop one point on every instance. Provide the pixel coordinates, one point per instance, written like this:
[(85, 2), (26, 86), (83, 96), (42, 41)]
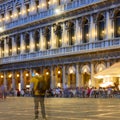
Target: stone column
[(32, 42), (43, 5), (92, 33), (52, 78), (64, 36), (5, 48), (13, 80), (13, 46), (7, 17), (42, 39), (77, 76), (53, 38), (22, 43), (14, 14), (77, 33), (92, 75), (23, 10), (31, 73), (5, 79), (64, 75), (33, 8), (109, 29), (21, 80)]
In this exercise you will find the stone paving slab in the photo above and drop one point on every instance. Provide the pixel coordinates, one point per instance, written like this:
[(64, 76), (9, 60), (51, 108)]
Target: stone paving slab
[(22, 108)]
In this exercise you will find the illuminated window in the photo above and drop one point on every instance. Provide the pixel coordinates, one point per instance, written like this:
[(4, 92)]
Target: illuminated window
[(59, 36), (9, 42), (2, 48), (27, 43), (85, 31), (37, 4), (48, 36), (17, 40), (71, 32), (27, 9), (37, 38), (101, 27), (48, 4), (117, 24), (19, 12)]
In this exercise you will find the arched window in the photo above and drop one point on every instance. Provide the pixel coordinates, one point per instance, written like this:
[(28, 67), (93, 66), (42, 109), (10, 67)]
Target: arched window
[(85, 31), (2, 48), (117, 24), (47, 36), (59, 36), (71, 33), (27, 43), (18, 44), (37, 38), (9, 46), (37, 5), (101, 27), (48, 4)]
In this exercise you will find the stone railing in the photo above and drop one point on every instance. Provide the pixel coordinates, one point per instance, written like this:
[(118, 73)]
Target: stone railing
[(77, 49)]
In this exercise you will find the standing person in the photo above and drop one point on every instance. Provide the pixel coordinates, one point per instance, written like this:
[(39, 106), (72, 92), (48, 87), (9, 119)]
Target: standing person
[(4, 91), (38, 81)]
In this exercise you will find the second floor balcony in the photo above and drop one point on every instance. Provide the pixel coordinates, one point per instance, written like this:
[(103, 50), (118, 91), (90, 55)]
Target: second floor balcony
[(71, 50)]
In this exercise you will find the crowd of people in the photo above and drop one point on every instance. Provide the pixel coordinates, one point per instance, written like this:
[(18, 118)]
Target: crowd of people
[(82, 92)]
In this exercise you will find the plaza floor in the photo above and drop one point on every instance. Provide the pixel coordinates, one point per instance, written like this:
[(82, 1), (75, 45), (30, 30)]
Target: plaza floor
[(22, 108)]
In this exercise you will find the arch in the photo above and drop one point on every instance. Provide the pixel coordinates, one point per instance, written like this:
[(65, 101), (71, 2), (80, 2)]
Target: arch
[(117, 23), (100, 27), (71, 70), (59, 35), (47, 37), (17, 40), (27, 42), (58, 82), (85, 69), (71, 32), (85, 30), (99, 67), (36, 39)]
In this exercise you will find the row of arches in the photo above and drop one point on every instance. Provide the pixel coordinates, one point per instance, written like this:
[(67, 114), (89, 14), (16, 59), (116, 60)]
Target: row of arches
[(56, 76)]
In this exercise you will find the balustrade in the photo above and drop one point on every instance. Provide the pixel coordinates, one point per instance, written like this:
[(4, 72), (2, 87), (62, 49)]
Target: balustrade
[(81, 48)]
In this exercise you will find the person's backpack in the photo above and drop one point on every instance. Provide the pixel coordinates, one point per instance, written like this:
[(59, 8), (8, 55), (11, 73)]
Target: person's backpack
[(42, 85)]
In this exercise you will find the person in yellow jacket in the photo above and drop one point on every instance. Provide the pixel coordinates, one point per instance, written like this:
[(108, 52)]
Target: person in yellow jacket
[(38, 96)]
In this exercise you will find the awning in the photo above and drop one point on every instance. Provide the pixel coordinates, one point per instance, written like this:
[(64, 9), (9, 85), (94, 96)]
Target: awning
[(112, 71)]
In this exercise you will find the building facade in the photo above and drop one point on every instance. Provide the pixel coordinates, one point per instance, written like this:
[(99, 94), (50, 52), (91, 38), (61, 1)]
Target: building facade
[(69, 41)]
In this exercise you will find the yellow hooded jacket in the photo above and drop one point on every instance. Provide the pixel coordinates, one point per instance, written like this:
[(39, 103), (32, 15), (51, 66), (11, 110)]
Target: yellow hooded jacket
[(35, 81)]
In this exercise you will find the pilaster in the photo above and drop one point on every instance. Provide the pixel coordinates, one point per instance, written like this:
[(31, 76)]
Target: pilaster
[(32, 42), (64, 75), (21, 80), (77, 76), (22, 43), (13, 46)]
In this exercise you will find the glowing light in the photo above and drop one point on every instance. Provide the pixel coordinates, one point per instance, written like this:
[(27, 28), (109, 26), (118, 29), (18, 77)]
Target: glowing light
[(71, 71), (18, 75), (27, 74), (58, 85), (47, 73), (2, 76), (10, 75), (59, 72), (57, 11)]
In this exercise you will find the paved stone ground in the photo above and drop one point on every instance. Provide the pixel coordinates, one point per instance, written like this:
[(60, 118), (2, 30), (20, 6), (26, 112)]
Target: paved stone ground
[(21, 108)]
